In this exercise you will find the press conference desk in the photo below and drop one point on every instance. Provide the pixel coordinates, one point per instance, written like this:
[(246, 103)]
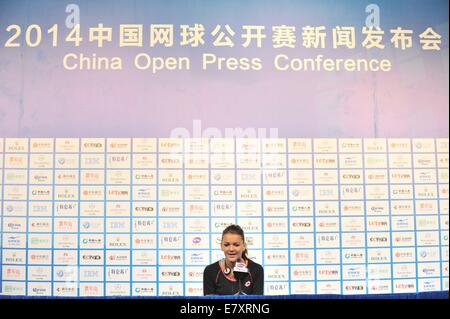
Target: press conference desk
[(422, 295)]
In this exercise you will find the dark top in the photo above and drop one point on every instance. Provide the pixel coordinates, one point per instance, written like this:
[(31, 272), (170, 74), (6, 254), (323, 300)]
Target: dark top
[(215, 281)]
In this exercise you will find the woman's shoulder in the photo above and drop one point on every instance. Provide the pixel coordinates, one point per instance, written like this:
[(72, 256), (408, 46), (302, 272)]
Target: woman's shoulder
[(213, 266), (254, 265)]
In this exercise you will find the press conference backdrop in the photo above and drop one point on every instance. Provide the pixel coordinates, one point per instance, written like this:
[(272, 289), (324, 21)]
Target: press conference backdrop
[(143, 217)]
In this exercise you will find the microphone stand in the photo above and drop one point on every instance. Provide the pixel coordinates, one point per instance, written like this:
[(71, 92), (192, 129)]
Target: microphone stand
[(238, 277)]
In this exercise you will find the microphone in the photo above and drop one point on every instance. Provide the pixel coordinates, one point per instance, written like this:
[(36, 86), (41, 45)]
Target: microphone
[(240, 271)]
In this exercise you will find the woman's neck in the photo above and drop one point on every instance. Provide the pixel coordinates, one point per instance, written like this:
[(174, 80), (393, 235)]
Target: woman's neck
[(230, 264)]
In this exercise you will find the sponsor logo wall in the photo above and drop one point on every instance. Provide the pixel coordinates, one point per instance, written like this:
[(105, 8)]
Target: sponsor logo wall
[(143, 217)]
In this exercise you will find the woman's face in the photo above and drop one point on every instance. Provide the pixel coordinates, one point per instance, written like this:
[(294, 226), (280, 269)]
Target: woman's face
[(232, 246)]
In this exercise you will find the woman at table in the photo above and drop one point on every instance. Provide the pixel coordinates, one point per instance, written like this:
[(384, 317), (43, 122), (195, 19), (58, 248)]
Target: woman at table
[(235, 274)]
